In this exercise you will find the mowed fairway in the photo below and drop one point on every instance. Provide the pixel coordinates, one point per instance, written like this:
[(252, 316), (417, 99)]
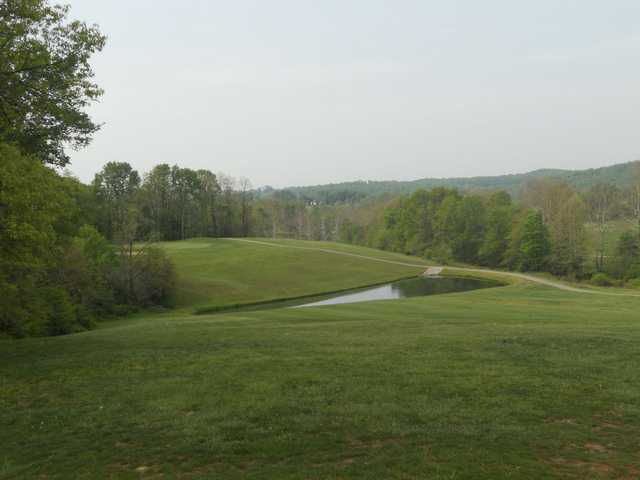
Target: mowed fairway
[(219, 273), (524, 381)]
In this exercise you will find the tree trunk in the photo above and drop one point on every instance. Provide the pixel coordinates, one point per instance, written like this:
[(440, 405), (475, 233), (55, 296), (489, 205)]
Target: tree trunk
[(130, 273)]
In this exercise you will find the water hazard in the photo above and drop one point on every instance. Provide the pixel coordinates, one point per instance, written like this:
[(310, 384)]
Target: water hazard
[(413, 287)]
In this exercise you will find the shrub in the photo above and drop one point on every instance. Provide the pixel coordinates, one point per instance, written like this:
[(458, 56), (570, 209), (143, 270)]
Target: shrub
[(61, 317), (635, 283), (156, 280), (145, 279), (601, 280), (440, 253)]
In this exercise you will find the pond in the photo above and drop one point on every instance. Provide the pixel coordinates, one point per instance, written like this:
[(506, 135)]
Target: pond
[(412, 287)]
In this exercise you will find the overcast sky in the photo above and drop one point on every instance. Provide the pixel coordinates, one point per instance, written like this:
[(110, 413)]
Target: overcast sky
[(297, 92)]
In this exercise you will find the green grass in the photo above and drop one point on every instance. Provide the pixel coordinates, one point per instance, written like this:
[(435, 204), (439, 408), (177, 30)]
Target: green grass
[(518, 382), (220, 273)]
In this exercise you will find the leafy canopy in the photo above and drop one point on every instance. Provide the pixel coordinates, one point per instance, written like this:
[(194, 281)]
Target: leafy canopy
[(46, 81)]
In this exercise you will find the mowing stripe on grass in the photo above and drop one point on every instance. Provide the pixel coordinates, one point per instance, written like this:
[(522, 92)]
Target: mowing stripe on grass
[(520, 276)]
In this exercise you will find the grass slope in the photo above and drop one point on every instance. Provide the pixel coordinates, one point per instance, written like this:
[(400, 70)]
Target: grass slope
[(216, 273), (517, 382)]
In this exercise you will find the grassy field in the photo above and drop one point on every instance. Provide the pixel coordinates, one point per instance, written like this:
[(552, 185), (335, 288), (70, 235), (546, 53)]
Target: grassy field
[(218, 273), (521, 382)]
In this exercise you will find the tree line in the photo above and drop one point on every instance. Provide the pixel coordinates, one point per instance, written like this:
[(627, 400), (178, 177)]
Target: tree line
[(169, 202), (549, 226), (72, 253), (176, 203)]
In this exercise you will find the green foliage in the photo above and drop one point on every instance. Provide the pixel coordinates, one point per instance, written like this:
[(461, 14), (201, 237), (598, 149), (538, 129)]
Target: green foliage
[(46, 79), (620, 175), (60, 318), (419, 223), (498, 231), (512, 258), (602, 280), (626, 264), (115, 188), (56, 276), (535, 247), (470, 229), (171, 203), (30, 206), (446, 226), (153, 279), (88, 265)]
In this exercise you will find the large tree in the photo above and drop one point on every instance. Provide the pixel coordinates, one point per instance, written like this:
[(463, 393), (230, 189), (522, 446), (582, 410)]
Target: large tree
[(46, 81), (497, 229), (115, 187), (32, 207), (601, 202), (535, 247), (568, 238)]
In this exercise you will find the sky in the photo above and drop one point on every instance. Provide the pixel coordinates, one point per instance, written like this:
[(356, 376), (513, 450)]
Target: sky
[(303, 92)]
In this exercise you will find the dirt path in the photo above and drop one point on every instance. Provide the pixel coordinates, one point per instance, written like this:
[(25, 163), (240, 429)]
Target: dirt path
[(435, 270)]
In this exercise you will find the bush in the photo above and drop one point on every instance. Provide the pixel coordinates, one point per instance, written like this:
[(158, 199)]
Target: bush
[(146, 279), (440, 253), (601, 280), (61, 317), (635, 283)]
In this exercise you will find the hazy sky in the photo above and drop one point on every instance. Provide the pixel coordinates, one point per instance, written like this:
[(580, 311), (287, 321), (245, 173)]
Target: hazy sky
[(295, 92)]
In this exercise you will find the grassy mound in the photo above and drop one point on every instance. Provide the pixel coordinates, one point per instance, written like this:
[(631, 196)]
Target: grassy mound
[(216, 274)]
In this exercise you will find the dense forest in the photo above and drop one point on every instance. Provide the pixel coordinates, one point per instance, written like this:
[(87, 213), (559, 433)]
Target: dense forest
[(73, 253), (544, 230)]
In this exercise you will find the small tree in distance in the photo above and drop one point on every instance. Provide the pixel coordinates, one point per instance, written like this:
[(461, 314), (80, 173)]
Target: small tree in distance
[(535, 246)]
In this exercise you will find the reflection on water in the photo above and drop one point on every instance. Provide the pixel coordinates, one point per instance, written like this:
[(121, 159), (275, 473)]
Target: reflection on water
[(413, 287)]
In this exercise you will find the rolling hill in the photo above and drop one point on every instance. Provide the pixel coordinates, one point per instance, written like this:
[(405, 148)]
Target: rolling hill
[(619, 175), (519, 382)]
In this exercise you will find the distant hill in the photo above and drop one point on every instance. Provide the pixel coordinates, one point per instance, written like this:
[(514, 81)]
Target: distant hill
[(619, 175)]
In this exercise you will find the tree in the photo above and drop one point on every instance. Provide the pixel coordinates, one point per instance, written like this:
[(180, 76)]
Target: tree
[(534, 246), (498, 229), (85, 272), (226, 210), (156, 198), (470, 229), (208, 199), (568, 238), (634, 193), (548, 195), (512, 257), (185, 186), (31, 204), (115, 187), (600, 200), (245, 206), (45, 79), (627, 258)]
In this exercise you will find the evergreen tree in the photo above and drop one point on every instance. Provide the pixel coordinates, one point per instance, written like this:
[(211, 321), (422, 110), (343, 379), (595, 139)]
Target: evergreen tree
[(535, 247)]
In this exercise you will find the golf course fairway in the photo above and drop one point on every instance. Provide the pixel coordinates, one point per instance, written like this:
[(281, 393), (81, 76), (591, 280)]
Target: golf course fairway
[(522, 381)]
